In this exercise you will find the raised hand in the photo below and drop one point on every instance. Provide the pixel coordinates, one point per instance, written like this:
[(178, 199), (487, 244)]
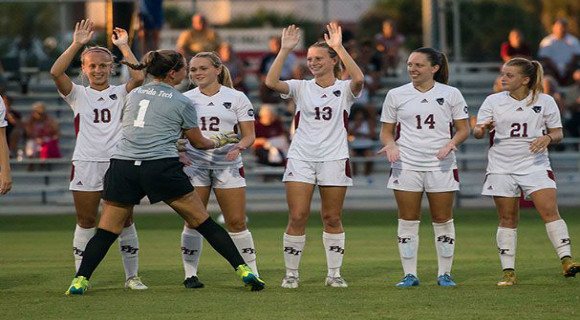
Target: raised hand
[(83, 32), (334, 37), (120, 37), (290, 37)]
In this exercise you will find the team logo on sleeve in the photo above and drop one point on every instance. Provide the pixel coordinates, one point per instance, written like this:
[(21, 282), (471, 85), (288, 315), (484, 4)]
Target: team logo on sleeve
[(113, 96), (465, 110), (227, 105), (251, 112), (336, 93), (537, 109), (440, 101)]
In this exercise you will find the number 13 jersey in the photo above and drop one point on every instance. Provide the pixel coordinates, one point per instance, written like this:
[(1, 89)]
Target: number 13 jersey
[(97, 120), (517, 124), (321, 120)]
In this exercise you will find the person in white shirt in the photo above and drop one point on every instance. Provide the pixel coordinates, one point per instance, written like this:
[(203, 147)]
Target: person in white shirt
[(559, 53), (97, 110), (318, 154), (522, 123), (5, 174), (219, 108), (417, 132)]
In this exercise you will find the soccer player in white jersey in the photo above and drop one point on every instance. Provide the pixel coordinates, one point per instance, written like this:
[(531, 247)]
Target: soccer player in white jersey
[(219, 108), (318, 154), (146, 163), (5, 175), (417, 121), (522, 122), (97, 113)]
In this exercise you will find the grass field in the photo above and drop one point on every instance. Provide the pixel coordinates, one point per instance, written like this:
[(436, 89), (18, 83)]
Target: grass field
[(36, 267)]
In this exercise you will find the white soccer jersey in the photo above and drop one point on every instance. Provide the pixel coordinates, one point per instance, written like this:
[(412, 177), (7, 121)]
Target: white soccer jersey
[(3, 122), (517, 124), (97, 116), (220, 112), (321, 120), (424, 124)]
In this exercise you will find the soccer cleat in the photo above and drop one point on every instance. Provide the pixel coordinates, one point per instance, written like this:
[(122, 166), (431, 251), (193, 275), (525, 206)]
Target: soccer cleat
[(79, 285), (408, 281), (290, 282), (445, 280), (135, 283), (508, 279), (335, 282), (251, 281), (570, 268), (193, 283)]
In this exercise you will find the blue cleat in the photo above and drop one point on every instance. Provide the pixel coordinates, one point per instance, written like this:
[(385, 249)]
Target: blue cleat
[(446, 281), (408, 281), (250, 280)]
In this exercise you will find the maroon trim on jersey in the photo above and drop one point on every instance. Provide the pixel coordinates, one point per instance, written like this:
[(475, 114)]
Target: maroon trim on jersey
[(77, 122), (296, 120), (551, 175), (72, 172), (235, 128), (242, 172), (390, 172), (345, 119), (397, 131), (347, 168), (450, 129), (456, 175), (491, 136)]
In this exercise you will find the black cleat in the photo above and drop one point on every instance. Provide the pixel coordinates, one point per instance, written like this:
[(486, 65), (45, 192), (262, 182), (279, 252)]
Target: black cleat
[(192, 283)]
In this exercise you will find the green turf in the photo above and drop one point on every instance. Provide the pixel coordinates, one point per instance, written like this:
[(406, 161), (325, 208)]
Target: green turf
[(36, 267)]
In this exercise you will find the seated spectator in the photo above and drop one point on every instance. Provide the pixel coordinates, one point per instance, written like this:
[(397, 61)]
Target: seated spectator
[(271, 144), (199, 38), (389, 44), (235, 65), (42, 132), (361, 136), (267, 95), (559, 53), (515, 47), (15, 129), (151, 19)]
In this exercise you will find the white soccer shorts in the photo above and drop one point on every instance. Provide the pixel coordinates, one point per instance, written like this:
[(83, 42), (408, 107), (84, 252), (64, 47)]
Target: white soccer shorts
[(511, 185), (323, 173), (427, 181), (226, 178), (88, 175)]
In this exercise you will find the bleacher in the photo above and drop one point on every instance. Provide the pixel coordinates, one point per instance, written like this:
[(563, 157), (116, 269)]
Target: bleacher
[(46, 188)]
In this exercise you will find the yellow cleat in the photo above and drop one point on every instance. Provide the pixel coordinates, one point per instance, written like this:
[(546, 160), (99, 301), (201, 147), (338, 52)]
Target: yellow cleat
[(251, 281), (569, 267), (79, 285), (508, 279)]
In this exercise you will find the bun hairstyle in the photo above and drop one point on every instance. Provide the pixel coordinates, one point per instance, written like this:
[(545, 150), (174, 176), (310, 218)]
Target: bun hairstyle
[(224, 78), (338, 66), (530, 69), (159, 63), (437, 58)]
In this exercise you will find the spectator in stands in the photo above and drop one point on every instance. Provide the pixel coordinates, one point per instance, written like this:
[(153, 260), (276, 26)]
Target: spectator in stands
[(15, 128), (318, 154), (417, 119), (97, 110), (525, 122), (199, 38), (266, 94), (234, 64), (389, 44), (151, 16), (5, 174), (515, 46), (361, 135), (42, 133), (559, 53), (271, 144)]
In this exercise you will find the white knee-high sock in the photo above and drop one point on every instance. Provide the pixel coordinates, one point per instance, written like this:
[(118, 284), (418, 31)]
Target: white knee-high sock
[(558, 234), (245, 244), (408, 237), (293, 246), (80, 239), (507, 242), (334, 247), (129, 248), (191, 247), (445, 245)]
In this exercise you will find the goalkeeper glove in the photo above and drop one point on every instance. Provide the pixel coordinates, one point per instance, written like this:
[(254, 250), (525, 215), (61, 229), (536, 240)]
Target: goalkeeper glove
[(222, 138)]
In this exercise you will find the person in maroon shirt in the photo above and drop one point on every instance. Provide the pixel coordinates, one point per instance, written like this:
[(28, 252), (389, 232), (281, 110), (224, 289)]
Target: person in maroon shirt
[(271, 144), (515, 47)]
